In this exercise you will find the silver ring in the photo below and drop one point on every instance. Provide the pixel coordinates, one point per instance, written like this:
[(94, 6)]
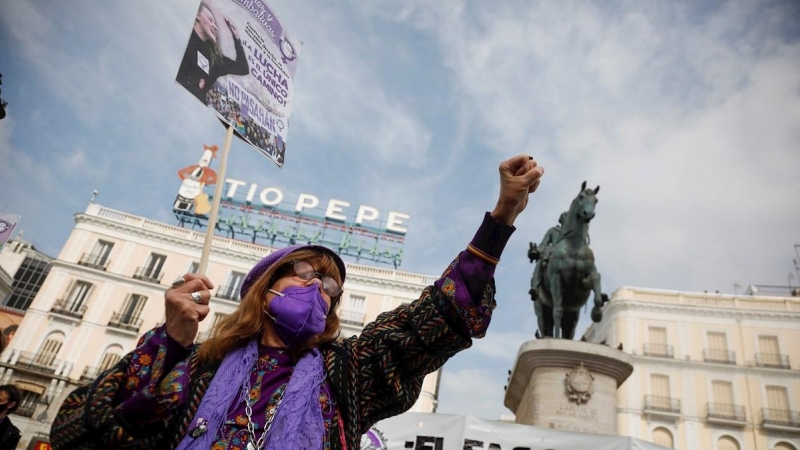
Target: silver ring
[(196, 298), (178, 282)]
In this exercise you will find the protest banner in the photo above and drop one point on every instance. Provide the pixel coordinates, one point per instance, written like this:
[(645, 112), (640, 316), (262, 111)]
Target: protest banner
[(422, 431), (240, 62)]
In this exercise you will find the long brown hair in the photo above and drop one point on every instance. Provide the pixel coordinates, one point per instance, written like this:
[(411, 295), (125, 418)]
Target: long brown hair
[(247, 321), (214, 47)]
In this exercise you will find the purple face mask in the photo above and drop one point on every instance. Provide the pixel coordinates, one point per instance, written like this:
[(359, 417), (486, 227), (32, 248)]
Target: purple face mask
[(299, 313)]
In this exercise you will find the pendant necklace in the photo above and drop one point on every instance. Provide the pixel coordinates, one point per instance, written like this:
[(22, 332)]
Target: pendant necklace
[(257, 444)]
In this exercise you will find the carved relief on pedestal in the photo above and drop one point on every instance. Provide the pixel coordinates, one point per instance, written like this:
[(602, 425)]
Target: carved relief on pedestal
[(579, 384)]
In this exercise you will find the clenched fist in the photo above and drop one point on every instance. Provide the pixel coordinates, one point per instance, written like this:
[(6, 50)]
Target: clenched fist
[(519, 176)]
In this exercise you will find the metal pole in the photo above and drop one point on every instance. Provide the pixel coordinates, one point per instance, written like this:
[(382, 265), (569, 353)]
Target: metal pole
[(212, 219)]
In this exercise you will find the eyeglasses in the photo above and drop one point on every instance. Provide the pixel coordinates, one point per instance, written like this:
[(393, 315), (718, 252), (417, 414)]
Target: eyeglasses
[(305, 271)]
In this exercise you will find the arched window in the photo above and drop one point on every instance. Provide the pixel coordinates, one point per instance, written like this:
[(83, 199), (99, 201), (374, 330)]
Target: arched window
[(32, 395), (663, 437), (110, 357), (727, 443), (46, 356), (784, 446)]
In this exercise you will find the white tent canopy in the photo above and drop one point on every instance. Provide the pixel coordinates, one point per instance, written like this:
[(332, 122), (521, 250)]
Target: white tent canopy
[(420, 431)]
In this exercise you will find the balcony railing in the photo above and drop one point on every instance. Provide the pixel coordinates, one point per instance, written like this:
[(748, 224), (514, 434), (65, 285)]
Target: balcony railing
[(229, 292), (26, 411), (352, 318), (658, 350), (125, 322), (40, 362), (774, 360), (98, 262), (726, 412), (662, 404), (148, 274), (89, 373), (719, 356), (780, 418), (69, 308)]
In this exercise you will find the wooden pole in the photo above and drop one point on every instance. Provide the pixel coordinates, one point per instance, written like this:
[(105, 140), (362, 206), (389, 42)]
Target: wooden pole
[(212, 219)]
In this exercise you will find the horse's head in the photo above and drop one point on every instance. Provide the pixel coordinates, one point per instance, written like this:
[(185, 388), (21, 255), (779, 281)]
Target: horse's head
[(583, 205)]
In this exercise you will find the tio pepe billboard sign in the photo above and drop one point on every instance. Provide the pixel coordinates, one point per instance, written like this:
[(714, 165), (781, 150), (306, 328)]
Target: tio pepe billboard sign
[(268, 216)]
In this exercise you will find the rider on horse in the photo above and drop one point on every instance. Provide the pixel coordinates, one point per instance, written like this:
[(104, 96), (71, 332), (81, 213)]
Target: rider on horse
[(542, 253)]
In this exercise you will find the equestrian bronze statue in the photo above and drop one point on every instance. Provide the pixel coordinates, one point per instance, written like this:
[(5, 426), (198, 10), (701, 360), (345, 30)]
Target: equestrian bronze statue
[(565, 273)]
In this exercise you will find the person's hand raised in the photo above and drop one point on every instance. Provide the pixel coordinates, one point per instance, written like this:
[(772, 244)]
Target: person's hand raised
[(186, 305), (232, 26), (519, 176)]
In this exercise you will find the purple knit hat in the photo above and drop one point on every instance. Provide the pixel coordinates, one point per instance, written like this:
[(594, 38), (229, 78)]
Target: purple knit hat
[(277, 256)]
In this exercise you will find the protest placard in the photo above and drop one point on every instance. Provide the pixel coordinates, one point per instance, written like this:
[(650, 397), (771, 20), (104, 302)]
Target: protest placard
[(240, 62)]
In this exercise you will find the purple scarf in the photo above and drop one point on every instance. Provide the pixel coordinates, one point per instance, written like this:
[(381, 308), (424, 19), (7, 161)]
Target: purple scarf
[(298, 422)]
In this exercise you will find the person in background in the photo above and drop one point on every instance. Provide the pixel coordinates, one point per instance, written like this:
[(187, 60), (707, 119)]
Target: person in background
[(10, 396), (273, 375)]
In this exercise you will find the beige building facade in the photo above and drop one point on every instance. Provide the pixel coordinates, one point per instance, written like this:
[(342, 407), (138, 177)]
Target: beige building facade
[(106, 288), (711, 371)]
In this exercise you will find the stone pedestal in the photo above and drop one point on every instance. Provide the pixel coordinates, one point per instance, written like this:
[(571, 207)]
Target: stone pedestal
[(567, 385)]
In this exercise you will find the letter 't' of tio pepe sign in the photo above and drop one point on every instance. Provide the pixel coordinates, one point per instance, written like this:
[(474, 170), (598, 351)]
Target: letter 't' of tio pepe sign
[(335, 209)]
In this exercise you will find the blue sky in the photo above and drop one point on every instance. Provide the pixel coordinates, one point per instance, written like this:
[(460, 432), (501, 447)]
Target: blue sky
[(686, 113)]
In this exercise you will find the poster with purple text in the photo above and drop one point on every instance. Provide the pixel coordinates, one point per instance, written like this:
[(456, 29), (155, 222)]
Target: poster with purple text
[(240, 62)]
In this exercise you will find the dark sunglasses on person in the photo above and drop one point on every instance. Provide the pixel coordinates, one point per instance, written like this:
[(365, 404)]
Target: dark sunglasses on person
[(305, 271)]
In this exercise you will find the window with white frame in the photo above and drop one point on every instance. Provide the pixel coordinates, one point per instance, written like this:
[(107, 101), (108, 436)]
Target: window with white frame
[(48, 351), (110, 357), (659, 386), (132, 309), (784, 446), (727, 443), (353, 309), (28, 403), (657, 342), (230, 290), (717, 350), (777, 411), (155, 263), (769, 354), (101, 252), (77, 296), (663, 437), (723, 404)]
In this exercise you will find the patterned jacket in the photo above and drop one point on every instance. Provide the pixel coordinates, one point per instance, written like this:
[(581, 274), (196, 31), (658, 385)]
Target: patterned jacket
[(375, 375)]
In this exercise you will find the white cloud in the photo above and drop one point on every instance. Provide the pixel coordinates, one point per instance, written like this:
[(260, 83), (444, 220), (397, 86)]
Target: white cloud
[(344, 100), (689, 125), (500, 345), (471, 391)]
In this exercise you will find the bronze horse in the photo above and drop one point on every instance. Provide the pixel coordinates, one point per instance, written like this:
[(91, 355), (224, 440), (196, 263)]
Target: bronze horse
[(570, 274)]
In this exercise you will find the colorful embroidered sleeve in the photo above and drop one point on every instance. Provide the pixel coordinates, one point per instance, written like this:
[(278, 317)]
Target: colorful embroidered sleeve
[(387, 362), (156, 377), (128, 406), (470, 277)]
